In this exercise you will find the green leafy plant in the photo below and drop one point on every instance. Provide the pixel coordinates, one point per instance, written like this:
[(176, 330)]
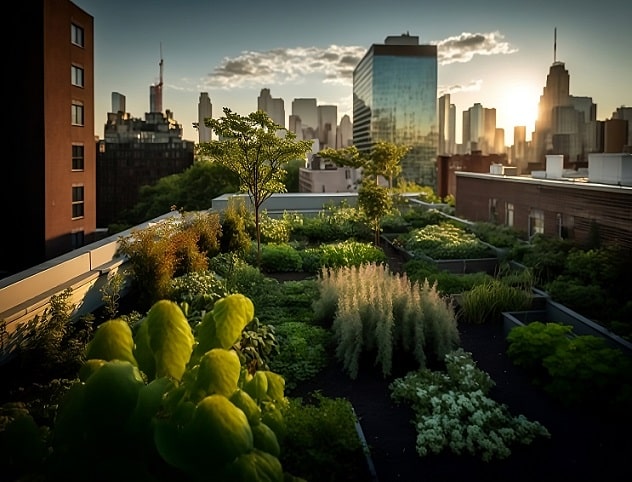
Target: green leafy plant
[(577, 370), (168, 401), (443, 241), (321, 441), (304, 352), (454, 412), (485, 302)]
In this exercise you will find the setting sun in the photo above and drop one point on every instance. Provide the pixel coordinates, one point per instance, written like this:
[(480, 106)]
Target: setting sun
[(520, 107)]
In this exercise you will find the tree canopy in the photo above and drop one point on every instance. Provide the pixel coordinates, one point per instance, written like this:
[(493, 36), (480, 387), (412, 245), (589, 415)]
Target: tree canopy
[(257, 150), (385, 159)]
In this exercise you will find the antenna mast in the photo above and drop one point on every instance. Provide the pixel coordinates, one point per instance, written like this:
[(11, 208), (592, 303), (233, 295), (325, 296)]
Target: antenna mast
[(554, 45), (160, 82)]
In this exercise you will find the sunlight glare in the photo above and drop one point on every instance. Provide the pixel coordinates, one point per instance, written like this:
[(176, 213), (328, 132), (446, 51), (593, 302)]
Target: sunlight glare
[(521, 106)]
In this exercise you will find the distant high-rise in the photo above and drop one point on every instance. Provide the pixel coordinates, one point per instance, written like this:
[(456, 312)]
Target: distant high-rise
[(118, 102), (155, 91), (344, 136), (395, 100), (205, 110), (447, 126), (327, 124), (307, 110), (274, 107)]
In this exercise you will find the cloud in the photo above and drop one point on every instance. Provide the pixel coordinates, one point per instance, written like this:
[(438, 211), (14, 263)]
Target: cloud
[(333, 64), (473, 85), (462, 48), (284, 66)]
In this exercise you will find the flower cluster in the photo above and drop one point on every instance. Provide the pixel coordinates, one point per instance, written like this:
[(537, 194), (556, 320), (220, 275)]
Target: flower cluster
[(452, 410)]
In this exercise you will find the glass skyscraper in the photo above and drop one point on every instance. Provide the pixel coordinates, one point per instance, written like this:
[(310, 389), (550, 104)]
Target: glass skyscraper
[(395, 100)]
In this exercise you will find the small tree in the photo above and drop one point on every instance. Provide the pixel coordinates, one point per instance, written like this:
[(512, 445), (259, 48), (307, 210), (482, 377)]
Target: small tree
[(385, 159), (256, 149), (375, 202)]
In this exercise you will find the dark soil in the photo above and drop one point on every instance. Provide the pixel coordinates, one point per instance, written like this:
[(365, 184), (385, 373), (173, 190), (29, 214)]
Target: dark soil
[(581, 448), (583, 445)]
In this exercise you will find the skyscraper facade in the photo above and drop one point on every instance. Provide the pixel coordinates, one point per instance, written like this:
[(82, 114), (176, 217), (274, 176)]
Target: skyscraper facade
[(447, 126), (395, 100), (274, 107), (327, 124), (307, 110), (205, 110)]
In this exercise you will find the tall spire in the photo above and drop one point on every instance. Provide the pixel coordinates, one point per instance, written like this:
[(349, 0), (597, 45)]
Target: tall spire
[(554, 45)]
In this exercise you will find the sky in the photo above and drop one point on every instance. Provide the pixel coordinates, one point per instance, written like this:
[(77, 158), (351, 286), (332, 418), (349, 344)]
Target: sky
[(496, 53)]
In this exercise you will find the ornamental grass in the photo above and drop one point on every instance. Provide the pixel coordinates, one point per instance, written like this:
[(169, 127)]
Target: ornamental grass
[(377, 313)]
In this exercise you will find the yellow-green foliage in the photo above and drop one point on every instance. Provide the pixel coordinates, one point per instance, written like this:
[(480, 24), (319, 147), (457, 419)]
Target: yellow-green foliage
[(384, 313)]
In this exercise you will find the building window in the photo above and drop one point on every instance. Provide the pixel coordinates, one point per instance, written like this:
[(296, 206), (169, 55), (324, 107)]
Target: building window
[(77, 157), (509, 214), (77, 239), (76, 75), (76, 35), (347, 174), (77, 114), (536, 222), (492, 210), (77, 202)]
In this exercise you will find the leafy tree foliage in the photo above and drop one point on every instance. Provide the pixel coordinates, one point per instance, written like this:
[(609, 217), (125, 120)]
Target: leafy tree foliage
[(385, 159), (191, 190), (257, 150)]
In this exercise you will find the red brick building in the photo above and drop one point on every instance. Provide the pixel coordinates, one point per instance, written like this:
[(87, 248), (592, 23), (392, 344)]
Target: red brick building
[(448, 166), (567, 207), (48, 187)]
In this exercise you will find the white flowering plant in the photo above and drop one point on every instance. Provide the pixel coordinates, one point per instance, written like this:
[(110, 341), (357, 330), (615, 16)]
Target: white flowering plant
[(452, 411)]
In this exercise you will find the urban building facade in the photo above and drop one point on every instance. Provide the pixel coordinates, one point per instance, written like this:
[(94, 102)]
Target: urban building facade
[(274, 107), (54, 178), (395, 100), (137, 152), (586, 207), (205, 110)]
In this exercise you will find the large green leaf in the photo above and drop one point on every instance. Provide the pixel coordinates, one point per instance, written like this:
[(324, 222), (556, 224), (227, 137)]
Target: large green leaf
[(170, 338), (231, 314)]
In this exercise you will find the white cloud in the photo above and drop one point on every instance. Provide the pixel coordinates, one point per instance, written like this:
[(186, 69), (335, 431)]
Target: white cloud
[(471, 86), (334, 64), (463, 47)]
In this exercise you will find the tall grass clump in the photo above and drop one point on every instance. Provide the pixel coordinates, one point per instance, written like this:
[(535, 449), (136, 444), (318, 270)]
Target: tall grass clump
[(486, 302), (381, 314)]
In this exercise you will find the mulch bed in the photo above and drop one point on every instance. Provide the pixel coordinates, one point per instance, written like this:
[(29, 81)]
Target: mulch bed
[(581, 448)]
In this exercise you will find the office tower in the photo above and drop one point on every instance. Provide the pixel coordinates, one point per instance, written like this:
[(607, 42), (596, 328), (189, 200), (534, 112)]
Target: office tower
[(274, 107), (447, 112), (327, 124), (489, 131), (395, 100), (48, 191), (118, 102), (476, 134), (625, 113), (307, 110), (155, 91), (452, 129), (519, 149), (205, 110), (295, 125), (137, 152), (344, 136), (499, 141)]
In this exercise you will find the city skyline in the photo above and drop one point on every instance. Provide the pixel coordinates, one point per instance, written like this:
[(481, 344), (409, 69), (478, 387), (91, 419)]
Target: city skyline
[(489, 52)]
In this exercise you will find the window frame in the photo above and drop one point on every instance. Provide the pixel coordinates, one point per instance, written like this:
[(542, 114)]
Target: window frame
[(77, 35), (78, 154), (78, 200), (77, 114), (77, 76)]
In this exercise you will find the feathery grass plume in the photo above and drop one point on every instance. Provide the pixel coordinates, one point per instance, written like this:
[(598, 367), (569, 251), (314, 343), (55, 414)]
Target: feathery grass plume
[(381, 313), (347, 328)]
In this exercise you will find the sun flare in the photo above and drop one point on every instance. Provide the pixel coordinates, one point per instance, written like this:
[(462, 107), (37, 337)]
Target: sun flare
[(520, 106)]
